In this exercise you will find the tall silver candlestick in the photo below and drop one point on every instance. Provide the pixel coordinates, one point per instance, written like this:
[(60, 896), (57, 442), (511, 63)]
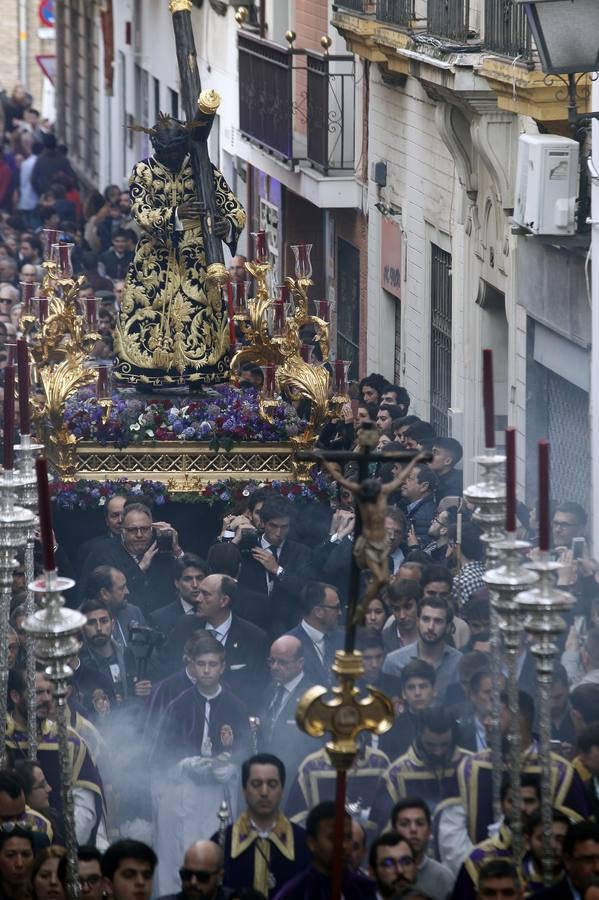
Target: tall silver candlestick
[(55, 631), (542, 607), (15, 525), (488, 499), (26, 491), (505, 582)]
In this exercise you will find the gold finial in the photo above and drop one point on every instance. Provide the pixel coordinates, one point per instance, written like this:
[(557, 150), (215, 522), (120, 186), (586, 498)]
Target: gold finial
[(209, 102), (290, 37), (325, 42), (179, 6), (241, 16)]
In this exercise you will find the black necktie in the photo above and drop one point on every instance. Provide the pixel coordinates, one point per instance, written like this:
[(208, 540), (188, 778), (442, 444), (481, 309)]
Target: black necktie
[(328, 655), (274, 707)]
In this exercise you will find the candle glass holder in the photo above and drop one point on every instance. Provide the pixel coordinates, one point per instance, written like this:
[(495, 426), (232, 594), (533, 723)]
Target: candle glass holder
[(488, 498), (240, 291), (49, 238), (303, 260), (505, 582), (16, 524), (55, 631), (62, 252), (28, 292), (542, 608), (323, 310), (259, 240)]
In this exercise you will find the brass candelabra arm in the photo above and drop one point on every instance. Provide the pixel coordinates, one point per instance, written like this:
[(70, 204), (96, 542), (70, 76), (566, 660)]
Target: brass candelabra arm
[(259, 271), (299, 287), (298, 380)]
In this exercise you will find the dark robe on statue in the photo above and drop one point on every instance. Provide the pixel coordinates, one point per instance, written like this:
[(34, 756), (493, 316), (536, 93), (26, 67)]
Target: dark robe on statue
[(169, 331), (312, 885), (182, 727), (475, 788), (316, 780), (265, 864)]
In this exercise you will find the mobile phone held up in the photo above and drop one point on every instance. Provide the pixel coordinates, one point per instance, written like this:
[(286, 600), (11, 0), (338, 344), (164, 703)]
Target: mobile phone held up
[(578, 547)]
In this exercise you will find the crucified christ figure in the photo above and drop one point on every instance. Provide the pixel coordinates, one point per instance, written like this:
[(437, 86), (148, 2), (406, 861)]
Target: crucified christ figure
[(371, 547)]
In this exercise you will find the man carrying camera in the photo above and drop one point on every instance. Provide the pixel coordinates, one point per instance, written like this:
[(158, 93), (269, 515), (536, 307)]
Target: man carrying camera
[(145, 555), (101, 652)]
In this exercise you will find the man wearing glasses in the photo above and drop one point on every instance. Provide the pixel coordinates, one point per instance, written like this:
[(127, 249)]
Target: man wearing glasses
[(145, 555), (319, 630), (581, 862), (392, 864), (201, 874)]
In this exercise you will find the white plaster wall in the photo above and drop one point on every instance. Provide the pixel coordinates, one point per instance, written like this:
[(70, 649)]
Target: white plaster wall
[(421, 181)]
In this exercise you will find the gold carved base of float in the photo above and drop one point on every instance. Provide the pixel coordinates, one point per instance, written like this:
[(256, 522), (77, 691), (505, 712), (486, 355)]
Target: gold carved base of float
[(182, 466)]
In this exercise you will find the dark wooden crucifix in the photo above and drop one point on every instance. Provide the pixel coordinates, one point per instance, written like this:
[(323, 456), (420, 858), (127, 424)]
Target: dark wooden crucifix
[(191, 88), (345, 714)]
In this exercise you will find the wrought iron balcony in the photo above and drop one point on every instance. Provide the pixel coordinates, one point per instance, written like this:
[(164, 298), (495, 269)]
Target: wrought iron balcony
[(296, 104), (395, 12), (448, 19), (354, 5), (506, 29)]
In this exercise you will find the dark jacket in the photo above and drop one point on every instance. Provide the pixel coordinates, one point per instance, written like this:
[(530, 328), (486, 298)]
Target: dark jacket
[(559, 891), (165, 618), (283, 601), (421, 516), (223, 893), (450, 485), (311, 885), (279, 734), (318, 672), (246, 652), (146, 589)]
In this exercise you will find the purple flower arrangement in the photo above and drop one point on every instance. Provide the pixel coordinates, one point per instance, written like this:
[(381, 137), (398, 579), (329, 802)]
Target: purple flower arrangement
[(91, 495), (227, 417)]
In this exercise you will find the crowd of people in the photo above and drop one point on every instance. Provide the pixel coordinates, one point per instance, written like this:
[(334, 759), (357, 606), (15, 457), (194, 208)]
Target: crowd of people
[(185, 689)]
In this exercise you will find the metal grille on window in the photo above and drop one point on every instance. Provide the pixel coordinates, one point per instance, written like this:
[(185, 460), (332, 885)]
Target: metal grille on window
[(440, 381), (568, 433)]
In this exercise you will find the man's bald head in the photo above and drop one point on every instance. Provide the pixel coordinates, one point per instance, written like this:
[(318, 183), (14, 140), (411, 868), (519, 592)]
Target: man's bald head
[(216, 594), (205, 859), (286, 659)]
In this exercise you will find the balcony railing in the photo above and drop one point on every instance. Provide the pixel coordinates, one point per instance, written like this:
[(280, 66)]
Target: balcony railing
[(354, 5), (448, 19), (396, 12), (331, 85), (506, 29), (297, 105)]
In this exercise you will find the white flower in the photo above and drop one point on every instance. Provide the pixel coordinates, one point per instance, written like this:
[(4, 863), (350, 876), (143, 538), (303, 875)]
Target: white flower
[(135, 427), (150, 433), (101, 501)]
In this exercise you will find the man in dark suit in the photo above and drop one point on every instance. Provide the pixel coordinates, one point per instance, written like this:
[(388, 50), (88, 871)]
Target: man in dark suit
[(418, 492), (109, 587), (113, 515), (279, 733), (588, 755), (190, 571), (277, 567), (581, 862), (145, 555), (246, 645), (319, 631), (472, 734)]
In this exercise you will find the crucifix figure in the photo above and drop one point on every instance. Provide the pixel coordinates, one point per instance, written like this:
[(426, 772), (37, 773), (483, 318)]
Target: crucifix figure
[(371, 544)]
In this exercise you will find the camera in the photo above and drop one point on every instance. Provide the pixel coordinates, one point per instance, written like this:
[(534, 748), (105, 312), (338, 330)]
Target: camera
[(248, 541), (164, 539), (143, 641)]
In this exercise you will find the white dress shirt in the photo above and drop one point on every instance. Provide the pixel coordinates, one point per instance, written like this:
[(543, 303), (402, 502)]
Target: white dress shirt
[(317, 638)]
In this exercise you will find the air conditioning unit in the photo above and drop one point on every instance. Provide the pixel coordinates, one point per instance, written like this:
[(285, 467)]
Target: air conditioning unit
[(547, 184)]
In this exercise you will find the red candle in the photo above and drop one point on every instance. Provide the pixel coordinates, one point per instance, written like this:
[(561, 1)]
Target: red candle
[(45, 513), (488, 398), (543, 507), (102, 389), (261, 246), (43, 309), (90, 303), (12, 352), (231, 313), (279, 315), (339, 376), (510, 479), (63, 255), (27, 292), (23, 371), (9, 417), (305, 352), (283, 293), (270, 378), (323, 310)]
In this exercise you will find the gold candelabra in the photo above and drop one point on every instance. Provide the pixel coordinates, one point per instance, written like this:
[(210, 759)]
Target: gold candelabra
[(271, 331), (60, 334)]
